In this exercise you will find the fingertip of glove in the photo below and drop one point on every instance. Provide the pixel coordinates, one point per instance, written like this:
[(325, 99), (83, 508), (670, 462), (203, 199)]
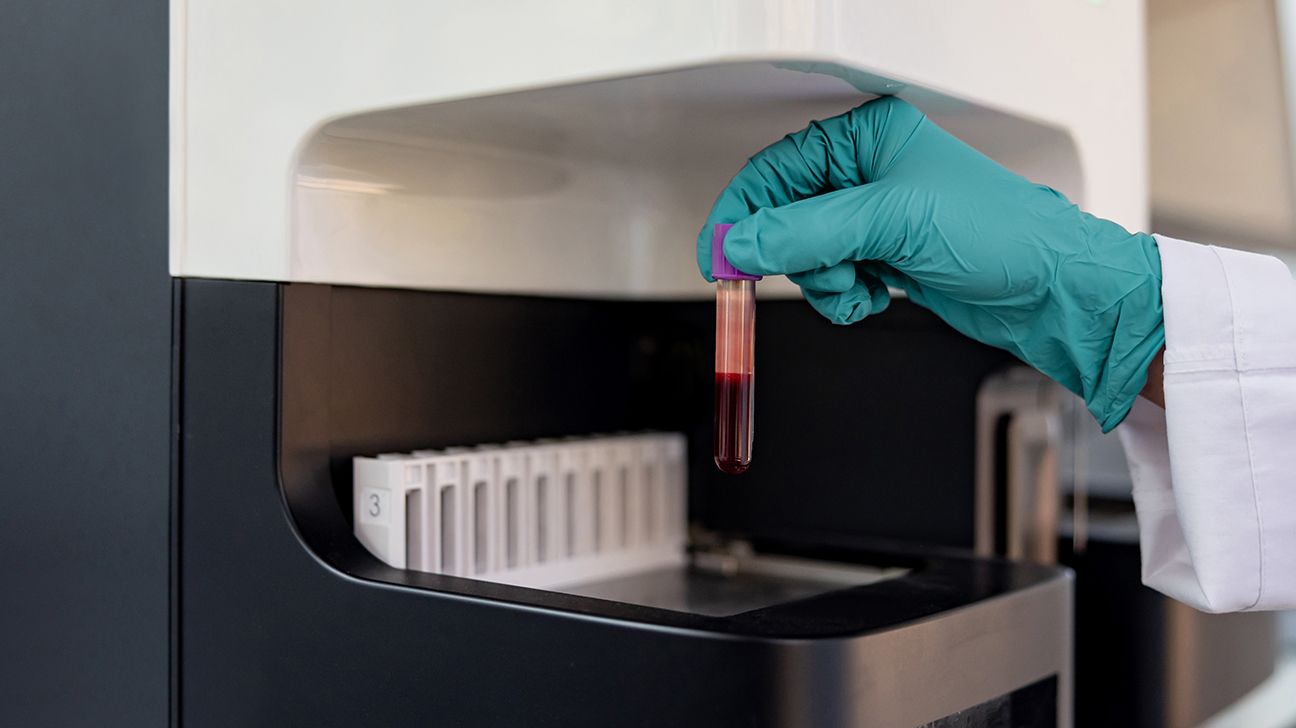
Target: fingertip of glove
[(704, 252), (854, 312), (879, 296), (705, 271)]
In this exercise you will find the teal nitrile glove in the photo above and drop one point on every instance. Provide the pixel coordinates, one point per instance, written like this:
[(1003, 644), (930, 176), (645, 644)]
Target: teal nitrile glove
[(883, 196)]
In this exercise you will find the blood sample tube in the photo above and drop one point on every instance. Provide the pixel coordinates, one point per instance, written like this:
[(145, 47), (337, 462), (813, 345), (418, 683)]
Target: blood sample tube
[(734, 372)]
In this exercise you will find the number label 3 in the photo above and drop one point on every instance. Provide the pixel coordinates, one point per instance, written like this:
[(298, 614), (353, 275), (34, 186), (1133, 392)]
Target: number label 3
[(375, 505)]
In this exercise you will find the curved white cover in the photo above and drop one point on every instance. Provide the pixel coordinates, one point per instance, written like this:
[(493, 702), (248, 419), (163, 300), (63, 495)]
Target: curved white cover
[(377, 143)]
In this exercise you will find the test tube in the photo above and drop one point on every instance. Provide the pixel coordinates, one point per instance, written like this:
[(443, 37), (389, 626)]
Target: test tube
[(734, 371)]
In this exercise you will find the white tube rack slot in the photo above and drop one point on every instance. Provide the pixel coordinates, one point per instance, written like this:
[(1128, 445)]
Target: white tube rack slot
[(540, 514)]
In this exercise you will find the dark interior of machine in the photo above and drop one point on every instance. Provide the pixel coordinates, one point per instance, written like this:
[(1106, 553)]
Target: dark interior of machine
[(368, 371), (408, 370)]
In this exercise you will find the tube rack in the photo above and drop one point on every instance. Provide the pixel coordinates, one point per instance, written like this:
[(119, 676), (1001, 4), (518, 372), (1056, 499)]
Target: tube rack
[(541, 514)]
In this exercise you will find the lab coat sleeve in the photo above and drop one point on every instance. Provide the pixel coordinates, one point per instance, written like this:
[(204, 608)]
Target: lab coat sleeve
[(1215, 471)]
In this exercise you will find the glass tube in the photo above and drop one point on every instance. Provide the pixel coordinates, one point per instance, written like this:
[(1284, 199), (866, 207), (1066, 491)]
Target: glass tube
[(734, 374)]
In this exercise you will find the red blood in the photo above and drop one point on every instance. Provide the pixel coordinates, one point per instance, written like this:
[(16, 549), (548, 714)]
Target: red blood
[(733, 422)]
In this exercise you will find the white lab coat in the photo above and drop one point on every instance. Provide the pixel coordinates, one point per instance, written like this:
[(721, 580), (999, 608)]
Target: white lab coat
[(1215, 471)]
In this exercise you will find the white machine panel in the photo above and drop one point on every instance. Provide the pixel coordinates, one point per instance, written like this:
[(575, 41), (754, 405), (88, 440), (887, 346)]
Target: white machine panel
[(573, 147)]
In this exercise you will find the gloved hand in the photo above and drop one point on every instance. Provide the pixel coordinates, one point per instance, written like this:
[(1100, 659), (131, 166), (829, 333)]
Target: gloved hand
[(883, 196)]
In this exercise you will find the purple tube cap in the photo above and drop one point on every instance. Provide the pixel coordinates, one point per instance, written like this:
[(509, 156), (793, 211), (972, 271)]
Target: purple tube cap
[(721, 268)]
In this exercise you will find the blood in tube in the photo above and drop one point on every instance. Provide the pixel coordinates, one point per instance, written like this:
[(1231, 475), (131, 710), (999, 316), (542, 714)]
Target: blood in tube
[(733, 422), (734, 371)]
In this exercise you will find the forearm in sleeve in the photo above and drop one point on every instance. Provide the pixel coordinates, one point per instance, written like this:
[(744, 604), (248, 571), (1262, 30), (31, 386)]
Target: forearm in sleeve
[(1215, 471)]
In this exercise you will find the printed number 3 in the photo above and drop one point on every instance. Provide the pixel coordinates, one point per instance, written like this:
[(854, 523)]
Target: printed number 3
[(375, 505)]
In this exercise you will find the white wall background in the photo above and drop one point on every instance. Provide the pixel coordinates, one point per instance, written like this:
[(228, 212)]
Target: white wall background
[(1218, 111)]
